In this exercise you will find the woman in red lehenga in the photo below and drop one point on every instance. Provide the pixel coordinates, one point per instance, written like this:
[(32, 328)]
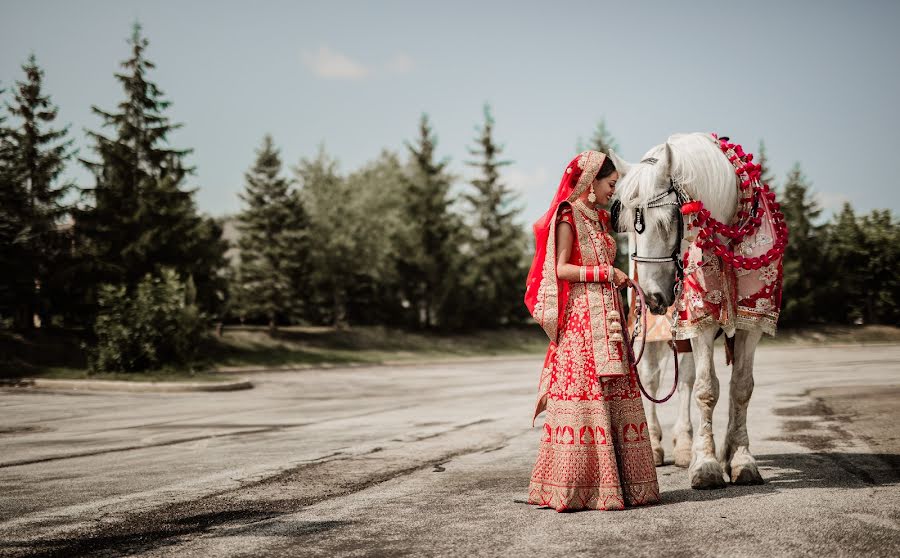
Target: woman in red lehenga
[(595, 450)]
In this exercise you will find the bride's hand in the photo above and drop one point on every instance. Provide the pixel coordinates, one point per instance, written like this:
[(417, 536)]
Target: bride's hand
[(619, 278)]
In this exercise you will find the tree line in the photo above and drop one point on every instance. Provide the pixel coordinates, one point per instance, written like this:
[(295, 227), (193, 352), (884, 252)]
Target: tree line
[(130, 261)]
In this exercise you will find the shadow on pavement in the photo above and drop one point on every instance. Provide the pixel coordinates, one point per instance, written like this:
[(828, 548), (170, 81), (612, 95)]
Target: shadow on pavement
[(132, 539), (805, 470)]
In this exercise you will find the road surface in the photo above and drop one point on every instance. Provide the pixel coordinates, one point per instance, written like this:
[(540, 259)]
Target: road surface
[(434, 461)]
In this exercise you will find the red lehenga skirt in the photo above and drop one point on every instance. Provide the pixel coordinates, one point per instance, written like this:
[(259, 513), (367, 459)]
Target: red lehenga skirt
[(595, 448)]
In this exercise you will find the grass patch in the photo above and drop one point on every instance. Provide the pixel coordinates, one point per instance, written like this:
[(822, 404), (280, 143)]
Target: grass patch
[(835, 335), (150, 376), (251, 346), (59, 354)]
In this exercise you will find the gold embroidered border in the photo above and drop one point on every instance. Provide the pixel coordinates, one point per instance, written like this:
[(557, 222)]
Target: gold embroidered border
[(589, 162), (608, 354)]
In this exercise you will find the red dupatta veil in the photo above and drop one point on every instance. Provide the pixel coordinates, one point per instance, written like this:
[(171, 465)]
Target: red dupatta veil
[(545, 295)]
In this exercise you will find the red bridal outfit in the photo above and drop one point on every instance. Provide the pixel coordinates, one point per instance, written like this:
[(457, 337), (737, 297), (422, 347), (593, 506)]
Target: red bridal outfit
[(595, 449)]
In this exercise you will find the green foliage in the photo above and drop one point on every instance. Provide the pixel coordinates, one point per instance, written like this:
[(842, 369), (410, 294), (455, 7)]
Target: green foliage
[(273, 243), (354, 221), (33, 156), (151, 325), (881, 242), (803, 259), (374, 227), (138, 217), (496, 265), (601, 140), (428, 259), (763, 160)]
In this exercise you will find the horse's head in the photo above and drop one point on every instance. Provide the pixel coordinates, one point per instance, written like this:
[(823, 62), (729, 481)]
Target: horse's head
[(652, 230), (650, 195)]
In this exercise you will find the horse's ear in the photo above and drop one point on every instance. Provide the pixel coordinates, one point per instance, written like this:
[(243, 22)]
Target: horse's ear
[(621, 166), (669, 160)]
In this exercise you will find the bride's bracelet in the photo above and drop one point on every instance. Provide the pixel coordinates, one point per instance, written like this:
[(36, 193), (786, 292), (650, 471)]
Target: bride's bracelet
[(594, 274)]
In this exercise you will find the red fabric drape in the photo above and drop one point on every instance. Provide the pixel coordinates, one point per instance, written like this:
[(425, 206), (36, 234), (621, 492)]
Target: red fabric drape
[(577, 176)]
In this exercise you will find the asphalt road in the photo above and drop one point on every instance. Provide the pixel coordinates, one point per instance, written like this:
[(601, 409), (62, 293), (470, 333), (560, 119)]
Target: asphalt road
[(435, 461)]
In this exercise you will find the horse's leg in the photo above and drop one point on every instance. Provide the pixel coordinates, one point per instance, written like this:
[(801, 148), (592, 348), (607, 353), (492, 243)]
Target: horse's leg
[(704, 470), (683, 431), (736, 458), (649, 370)]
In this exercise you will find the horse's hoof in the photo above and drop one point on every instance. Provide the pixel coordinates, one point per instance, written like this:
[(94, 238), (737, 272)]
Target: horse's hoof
[(682, 456), (707, 475), (746, 473), (742, 468), (658, 456)]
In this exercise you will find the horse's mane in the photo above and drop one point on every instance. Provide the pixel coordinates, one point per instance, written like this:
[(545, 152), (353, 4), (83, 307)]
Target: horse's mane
[(697, 165)]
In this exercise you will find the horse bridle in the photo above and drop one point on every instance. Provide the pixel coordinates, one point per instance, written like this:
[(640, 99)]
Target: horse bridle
[(640, 225)]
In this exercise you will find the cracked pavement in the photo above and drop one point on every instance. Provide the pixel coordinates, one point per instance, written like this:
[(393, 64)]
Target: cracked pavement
[(434, 460)]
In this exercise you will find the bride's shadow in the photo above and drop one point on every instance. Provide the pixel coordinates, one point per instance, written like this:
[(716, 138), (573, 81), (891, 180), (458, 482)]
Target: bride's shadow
[(787, 471)]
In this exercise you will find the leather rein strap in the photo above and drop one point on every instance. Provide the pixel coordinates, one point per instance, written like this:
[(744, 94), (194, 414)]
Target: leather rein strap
[(641, 309)]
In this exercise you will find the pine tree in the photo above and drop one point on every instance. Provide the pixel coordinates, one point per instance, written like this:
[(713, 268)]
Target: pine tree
[(495, 270), (272, 241), (13, 204), (803, 263), (767, 176), (881, 238), (39, 156), (139, 218), (602, 140), (428, 264), (846, 263)]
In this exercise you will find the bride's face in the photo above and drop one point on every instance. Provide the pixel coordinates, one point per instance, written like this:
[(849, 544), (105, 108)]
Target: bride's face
[(604, 188)]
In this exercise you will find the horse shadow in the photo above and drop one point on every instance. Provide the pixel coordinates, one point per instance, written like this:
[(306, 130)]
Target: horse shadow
[(789, 471)]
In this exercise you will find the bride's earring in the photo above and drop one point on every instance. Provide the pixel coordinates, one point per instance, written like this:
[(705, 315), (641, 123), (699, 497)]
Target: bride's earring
[(592, 197)]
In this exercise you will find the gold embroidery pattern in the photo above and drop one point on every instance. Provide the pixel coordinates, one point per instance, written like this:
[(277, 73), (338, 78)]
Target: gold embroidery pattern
[(598, 248), (546, 309), (589, 162), (595, 454)]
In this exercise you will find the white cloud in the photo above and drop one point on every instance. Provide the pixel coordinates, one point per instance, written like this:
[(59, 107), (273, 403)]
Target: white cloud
[(330, 64), (401, 63)]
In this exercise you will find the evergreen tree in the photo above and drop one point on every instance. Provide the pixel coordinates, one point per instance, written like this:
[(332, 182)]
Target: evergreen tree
[(138, 217), (803, 256), (767, 177), (495, 269), (428, 262), (846, 266), (272, 241), (881, 238), (12, 208), (39, 154), (602, 140)]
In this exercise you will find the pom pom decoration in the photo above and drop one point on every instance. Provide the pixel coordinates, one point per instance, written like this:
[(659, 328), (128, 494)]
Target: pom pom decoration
[(691, 207), (753, 193)]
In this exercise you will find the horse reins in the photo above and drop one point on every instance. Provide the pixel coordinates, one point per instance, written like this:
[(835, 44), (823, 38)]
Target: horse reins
[(641, 329), (640, 226)]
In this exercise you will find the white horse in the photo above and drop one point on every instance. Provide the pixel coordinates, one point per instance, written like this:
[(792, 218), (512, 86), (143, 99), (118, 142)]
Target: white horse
[(657, 357), (705, 174)]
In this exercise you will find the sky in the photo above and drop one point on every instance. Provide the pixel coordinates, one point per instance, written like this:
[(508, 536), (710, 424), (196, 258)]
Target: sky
[(818, 81)]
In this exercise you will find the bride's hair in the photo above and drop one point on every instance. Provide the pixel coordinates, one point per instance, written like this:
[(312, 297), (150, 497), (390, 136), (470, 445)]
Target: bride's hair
[(606, 169)]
